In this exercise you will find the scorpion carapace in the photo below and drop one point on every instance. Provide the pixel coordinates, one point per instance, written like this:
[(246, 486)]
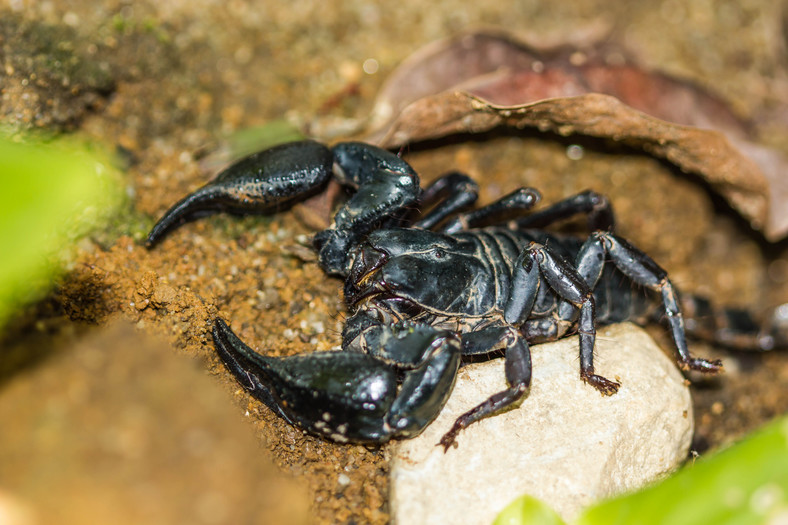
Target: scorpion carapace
[(425, 291)]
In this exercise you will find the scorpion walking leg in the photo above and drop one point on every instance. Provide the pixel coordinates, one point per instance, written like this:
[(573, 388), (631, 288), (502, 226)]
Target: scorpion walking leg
[(734, 328), (576, 299), (645, 272), (348, 395), (519, 200), (457, 190), (518, 374), (594, 205)]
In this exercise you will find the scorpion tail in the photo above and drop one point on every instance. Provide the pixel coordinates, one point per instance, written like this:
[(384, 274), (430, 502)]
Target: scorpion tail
[(735, 328)]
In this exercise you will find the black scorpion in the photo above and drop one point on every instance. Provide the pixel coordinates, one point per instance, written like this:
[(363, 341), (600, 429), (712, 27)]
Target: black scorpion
[(425, 291)]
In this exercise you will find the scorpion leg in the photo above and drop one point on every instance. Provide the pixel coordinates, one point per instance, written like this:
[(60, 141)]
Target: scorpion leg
[(457, 190), (594, 205), (519, 200), (577, 299), (263, 182), (348, 396), (517, 366), (735, 328), (642, 270)]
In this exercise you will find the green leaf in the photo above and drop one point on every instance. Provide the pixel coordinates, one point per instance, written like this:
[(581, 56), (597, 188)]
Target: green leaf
[(527, 510), (51, 195)]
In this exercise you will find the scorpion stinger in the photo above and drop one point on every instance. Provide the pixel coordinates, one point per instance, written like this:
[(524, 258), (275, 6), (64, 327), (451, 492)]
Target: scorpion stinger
[(424, 292)]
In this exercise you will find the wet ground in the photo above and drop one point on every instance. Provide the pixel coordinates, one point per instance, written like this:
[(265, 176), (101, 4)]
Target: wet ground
[(166, 83)]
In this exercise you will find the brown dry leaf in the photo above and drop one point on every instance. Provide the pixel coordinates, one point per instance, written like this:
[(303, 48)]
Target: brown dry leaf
[(477, 82)]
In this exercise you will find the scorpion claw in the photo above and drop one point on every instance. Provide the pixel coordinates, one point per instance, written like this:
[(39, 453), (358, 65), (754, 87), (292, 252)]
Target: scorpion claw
[(263, 182)]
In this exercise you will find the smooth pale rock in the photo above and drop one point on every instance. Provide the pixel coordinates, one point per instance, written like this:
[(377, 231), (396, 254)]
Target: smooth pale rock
[(566, 444)]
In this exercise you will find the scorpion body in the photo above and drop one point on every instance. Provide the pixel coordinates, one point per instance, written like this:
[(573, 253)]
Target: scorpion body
[(425, 291), (496, 251)]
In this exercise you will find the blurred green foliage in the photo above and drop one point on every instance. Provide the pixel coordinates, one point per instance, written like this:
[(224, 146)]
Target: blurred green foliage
[(527, 509), (741, 485), (53, 193)]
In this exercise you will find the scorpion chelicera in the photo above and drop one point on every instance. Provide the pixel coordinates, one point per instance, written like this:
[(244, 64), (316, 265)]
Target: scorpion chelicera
[(426, 290)]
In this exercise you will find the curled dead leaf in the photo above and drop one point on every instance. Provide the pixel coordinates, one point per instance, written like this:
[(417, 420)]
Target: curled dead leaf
[(478, 82)]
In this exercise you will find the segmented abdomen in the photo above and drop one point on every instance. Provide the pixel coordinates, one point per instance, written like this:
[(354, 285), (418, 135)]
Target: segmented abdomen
[(617, 298)]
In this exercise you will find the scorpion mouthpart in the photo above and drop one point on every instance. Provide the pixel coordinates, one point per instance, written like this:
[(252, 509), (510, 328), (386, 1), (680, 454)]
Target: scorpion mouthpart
[(368, 260)]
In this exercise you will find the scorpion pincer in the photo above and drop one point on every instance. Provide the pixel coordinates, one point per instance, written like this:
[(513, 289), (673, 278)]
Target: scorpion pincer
[(426, 290)]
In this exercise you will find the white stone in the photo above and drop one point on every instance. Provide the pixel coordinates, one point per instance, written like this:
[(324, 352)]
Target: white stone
[(566, 444)]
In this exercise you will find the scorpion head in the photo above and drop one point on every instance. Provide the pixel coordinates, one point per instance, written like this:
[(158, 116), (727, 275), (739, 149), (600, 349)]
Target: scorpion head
[(424, 270)]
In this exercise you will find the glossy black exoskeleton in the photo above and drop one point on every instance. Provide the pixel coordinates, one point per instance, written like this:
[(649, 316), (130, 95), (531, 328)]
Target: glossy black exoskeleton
[(423, 292)]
